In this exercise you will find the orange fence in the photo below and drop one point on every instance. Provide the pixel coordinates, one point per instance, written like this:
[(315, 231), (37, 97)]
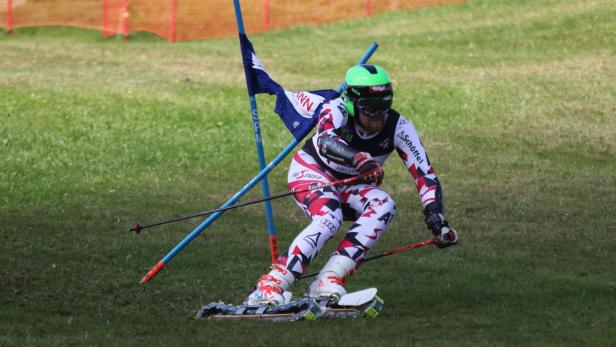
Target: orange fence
[(181, 20)]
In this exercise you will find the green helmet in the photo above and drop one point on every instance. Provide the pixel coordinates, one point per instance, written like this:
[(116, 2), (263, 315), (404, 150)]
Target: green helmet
[(367, 89)]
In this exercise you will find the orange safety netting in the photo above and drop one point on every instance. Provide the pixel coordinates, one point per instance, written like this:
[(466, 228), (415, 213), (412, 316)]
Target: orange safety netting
[(181, 20)]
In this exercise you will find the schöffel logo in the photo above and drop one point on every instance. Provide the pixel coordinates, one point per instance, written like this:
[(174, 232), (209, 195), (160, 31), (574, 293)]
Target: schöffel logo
[(404, 137)]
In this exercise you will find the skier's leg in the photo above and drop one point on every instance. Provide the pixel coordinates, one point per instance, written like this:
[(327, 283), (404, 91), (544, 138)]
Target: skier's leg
[(374, 210), (322, 206)]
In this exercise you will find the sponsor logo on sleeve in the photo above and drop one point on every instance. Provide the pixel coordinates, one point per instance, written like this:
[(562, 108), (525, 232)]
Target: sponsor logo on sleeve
[(412, 147)]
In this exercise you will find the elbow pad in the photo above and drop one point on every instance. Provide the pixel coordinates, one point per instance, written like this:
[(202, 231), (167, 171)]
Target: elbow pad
[(336, 151)]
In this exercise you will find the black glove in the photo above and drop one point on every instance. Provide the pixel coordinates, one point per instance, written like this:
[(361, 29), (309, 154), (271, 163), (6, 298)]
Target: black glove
[(369, 169), (444, 236)]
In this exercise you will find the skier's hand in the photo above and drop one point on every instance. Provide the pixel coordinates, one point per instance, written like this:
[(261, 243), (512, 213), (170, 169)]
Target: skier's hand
[(369, 169), (448, 237), (443, 235)]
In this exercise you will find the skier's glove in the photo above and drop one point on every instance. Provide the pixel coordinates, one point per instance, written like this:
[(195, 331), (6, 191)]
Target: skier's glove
[(369, 169), (443, 235)]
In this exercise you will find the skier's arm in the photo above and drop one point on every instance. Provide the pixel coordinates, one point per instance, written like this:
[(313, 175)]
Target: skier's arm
[(329, 144), (413, 154), (336, 150)]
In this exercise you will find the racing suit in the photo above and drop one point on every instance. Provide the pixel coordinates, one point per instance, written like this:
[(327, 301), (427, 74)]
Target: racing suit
[(369, 207)]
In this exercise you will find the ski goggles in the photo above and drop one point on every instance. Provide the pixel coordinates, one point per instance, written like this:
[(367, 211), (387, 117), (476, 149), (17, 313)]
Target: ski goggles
[(374, 107)]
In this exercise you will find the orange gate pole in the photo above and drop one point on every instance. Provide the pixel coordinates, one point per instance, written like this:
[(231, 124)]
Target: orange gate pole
[(172, 20), (125, 14), (9, 16), (105, 18), (266, 15)]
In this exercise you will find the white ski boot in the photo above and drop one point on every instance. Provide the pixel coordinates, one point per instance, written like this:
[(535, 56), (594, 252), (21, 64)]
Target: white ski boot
[(330, 281), (271, 287)]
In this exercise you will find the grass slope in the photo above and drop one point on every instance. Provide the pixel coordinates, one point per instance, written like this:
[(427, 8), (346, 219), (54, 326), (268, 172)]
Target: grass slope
[(515, 101)]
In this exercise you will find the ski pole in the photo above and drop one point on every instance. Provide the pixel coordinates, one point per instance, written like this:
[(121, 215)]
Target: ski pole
[(138, 227), (385, 254)]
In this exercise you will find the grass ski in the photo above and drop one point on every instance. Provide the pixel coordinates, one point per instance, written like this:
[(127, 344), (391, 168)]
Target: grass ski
[(363, 303), (303, 309)]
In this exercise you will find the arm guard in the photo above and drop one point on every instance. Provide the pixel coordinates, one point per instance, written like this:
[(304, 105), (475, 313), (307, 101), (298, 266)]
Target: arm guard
[(337, 151)]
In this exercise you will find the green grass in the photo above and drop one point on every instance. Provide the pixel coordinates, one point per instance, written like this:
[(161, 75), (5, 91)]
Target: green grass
[(516, 103)]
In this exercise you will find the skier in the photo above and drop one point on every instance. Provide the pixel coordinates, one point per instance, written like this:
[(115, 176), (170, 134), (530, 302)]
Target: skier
[(355, 135)]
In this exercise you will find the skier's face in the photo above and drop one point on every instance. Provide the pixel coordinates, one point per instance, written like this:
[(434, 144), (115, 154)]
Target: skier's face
[(372, 124)]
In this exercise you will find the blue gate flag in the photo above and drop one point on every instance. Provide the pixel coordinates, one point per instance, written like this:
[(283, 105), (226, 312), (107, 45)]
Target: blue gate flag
[(298, 110)]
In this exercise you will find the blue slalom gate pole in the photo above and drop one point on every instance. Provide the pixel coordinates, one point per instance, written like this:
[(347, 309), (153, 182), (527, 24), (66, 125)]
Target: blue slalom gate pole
[(178, 248), (269, 214), (267, 169)]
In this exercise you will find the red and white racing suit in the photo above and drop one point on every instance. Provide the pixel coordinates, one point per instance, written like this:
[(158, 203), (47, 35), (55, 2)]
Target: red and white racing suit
[(371, 208)]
